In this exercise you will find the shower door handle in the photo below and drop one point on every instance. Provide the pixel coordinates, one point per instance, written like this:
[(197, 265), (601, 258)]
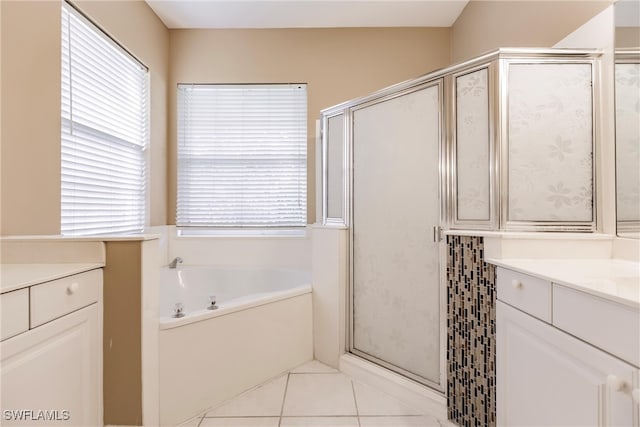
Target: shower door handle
[(437, 233)]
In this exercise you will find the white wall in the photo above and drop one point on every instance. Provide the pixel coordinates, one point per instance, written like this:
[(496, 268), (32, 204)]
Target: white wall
[(236, 251), (329, 279)]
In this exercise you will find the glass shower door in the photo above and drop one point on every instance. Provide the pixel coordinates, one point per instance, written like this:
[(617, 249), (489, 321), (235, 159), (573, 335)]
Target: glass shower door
[(395, 284)]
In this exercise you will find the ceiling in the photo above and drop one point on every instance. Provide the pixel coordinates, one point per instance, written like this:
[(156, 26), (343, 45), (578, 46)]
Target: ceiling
[(306, 13)]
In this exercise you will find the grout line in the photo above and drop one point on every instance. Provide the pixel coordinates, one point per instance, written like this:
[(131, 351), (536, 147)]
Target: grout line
[(284, 397), (244, 416), (320, 416), (315, 373), (200, 422), (237, 396), (355, 401), (397, 416)]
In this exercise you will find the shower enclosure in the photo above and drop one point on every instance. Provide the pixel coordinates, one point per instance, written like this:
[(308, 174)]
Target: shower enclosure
[(454, 149)]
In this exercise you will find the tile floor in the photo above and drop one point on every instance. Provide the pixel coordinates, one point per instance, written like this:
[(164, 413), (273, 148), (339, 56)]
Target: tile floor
[(314, 395)]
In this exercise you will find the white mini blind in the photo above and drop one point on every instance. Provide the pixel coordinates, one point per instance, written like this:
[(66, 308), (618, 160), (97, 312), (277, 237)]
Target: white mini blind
[(104, 132), (242, 156)]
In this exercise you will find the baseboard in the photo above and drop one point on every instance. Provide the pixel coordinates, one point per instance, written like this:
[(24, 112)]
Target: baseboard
[(409, 391)]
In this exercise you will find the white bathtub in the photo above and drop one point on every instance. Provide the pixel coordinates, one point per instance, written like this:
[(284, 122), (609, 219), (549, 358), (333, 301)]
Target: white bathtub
[(234, 288), (262, 327)]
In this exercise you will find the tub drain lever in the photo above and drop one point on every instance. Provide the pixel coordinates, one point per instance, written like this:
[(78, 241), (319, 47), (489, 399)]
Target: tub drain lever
[(178, 310), (212, 303)]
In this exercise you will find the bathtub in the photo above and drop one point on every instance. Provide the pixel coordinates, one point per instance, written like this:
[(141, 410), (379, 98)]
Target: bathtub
[(262, 326)]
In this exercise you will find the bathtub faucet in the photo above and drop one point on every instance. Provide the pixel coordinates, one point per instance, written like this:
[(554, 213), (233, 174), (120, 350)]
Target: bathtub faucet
[(177, 260)]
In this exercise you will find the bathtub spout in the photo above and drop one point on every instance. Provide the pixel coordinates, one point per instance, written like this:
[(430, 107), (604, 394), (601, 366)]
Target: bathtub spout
[(175, 262)]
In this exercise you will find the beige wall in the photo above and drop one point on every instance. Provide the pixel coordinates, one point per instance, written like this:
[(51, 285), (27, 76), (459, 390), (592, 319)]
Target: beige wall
[(337, 65), (487, 25), (0, 118), (30, 152), (121, 339), (628, 37), (30, 169)]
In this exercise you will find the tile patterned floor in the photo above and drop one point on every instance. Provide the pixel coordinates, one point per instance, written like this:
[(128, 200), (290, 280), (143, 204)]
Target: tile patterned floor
[(314, 395)]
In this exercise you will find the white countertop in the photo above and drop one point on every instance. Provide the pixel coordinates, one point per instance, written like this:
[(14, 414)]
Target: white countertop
[(613, 279), (17, 276), (531, 235), (96, 238)]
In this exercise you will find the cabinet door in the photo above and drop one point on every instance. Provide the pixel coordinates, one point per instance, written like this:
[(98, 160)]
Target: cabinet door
[(546, 377), (54, 367)]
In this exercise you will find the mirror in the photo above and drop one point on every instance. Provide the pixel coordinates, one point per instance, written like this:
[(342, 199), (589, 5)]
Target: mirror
[(627, 116)]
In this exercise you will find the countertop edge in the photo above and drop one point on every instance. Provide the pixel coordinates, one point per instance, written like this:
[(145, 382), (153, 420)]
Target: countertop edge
[(61, 238), (563, 282), (48, 273), (529, 235)]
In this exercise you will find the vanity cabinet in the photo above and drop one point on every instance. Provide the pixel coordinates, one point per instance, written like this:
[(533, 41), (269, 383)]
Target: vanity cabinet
[(548, 377), (14, 313), (51, 374), (54, 368)]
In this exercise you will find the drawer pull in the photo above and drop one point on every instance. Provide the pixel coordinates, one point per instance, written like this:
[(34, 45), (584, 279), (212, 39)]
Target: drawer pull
[(72, 288), (517, 284), (614, 383), (636, 396)]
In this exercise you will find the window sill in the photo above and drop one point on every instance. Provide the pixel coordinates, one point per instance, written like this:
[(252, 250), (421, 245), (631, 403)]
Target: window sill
[(246, 233)]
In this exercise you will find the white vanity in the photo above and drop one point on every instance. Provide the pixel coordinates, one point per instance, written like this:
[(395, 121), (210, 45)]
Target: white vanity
[(568, 342), (51, 348)]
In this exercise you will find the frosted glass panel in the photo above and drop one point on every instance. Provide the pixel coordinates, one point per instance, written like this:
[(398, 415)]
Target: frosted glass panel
[(335, 161), (395, 261), (550, 142), (628, 146), (472, 146)]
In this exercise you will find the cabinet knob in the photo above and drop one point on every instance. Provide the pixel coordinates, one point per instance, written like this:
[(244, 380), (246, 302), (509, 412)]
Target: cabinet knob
[(72, 288), (517, 284), (614, 383), (636, 396)]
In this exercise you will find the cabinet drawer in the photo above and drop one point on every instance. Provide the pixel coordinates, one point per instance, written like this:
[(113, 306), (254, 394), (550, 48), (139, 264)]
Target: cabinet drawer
[(14, 311), (527, 293), (59, 297), (611, 326)]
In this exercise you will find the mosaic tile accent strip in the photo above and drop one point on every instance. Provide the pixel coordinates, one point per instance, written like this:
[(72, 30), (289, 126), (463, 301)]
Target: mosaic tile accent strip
[(471, 333)]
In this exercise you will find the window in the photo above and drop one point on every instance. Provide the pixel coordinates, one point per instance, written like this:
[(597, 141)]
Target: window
[(242, 156), (104, 132)]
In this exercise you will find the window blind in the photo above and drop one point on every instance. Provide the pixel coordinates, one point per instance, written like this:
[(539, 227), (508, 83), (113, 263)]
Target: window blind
[(242, 156), (104, 132)]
